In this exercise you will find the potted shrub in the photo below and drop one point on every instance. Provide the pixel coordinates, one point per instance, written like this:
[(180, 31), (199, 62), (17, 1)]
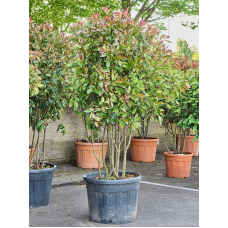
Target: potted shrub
[(179, 117), (163, 85), (192, 107), (47, 97), (110, 81)]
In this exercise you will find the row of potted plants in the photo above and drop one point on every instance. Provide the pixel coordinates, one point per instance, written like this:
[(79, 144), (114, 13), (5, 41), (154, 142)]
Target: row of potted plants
[(118, 74)]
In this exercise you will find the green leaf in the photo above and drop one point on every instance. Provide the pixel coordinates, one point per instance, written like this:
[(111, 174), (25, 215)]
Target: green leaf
[(71, 102), (75, 105)]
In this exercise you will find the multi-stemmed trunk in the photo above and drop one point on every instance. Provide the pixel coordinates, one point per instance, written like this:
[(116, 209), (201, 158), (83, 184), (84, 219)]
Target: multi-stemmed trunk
[(172, 128), (39, 157), (115, 139), (143, 130)]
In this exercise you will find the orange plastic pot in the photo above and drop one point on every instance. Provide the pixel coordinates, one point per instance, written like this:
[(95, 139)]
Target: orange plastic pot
[(178, 165), (32, 152), (189, 146), (85, 157), (143, 150)]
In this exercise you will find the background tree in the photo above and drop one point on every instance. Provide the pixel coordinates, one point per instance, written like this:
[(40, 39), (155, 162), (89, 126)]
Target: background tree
[(183, 49), (63, 12), (154, 10)]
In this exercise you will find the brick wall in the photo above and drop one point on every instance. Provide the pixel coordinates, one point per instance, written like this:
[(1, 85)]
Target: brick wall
[(60, 148)]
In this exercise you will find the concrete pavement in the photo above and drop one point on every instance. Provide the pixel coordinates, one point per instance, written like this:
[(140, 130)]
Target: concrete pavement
[(162, 201)]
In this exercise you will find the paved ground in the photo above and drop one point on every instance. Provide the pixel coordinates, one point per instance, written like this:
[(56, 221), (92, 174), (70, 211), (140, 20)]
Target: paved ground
[(162, 202)]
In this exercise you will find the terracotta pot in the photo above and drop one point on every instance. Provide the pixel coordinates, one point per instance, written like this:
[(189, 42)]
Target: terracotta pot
[(178, 165), (32, 153), (143, 150), (85, 157), (189, 146)]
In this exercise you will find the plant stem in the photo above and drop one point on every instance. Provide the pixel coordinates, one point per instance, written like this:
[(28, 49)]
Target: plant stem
[(37, 143), (179, 140), (185, 133), (44, 145), (174, 139), (166, 139), (106, 169), (109, 149), (37, 152), (126, 146), (99, 161), (33, 137)]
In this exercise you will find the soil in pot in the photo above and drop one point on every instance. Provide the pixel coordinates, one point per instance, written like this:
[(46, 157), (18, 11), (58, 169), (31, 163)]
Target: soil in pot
[(143, 150), (85, 157), (189, 146), (178, 165)]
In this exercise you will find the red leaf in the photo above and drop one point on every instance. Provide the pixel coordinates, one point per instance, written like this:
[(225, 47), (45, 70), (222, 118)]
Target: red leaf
[(107, 18), (105, 9), (126, 12), (143, 23), (117, 13)]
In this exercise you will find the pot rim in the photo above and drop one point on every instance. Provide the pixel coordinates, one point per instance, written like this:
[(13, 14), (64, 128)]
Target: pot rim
[(146, 140), (188, 154), (90, 144), (186, 136), (43, 170), (113, 182)]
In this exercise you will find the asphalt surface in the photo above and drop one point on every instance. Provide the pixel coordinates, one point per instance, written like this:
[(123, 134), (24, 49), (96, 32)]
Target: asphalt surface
[(162, 201)]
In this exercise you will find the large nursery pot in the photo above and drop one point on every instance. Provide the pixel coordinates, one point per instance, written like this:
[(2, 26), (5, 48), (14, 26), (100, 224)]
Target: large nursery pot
[(112, 201), (85, 157), (40, 181), (189, 146), (178, 165), (143, 150)]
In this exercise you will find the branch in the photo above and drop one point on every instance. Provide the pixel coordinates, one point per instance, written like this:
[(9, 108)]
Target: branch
[(141, 11), (151, 10), (156, 19)]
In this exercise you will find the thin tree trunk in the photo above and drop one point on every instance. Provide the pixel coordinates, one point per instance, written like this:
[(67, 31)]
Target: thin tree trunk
[(37, 152), (126, 146), (175, 135), (99, 161), (103, 157), (44, 145), (147, 127), (34, 132), (118, 152), (185, 133), (166, 139), (109, 149), (179, 140), (37, 143)]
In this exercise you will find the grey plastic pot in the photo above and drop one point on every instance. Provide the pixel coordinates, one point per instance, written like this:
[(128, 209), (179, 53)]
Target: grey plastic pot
[(112, 201), (40, 181)]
